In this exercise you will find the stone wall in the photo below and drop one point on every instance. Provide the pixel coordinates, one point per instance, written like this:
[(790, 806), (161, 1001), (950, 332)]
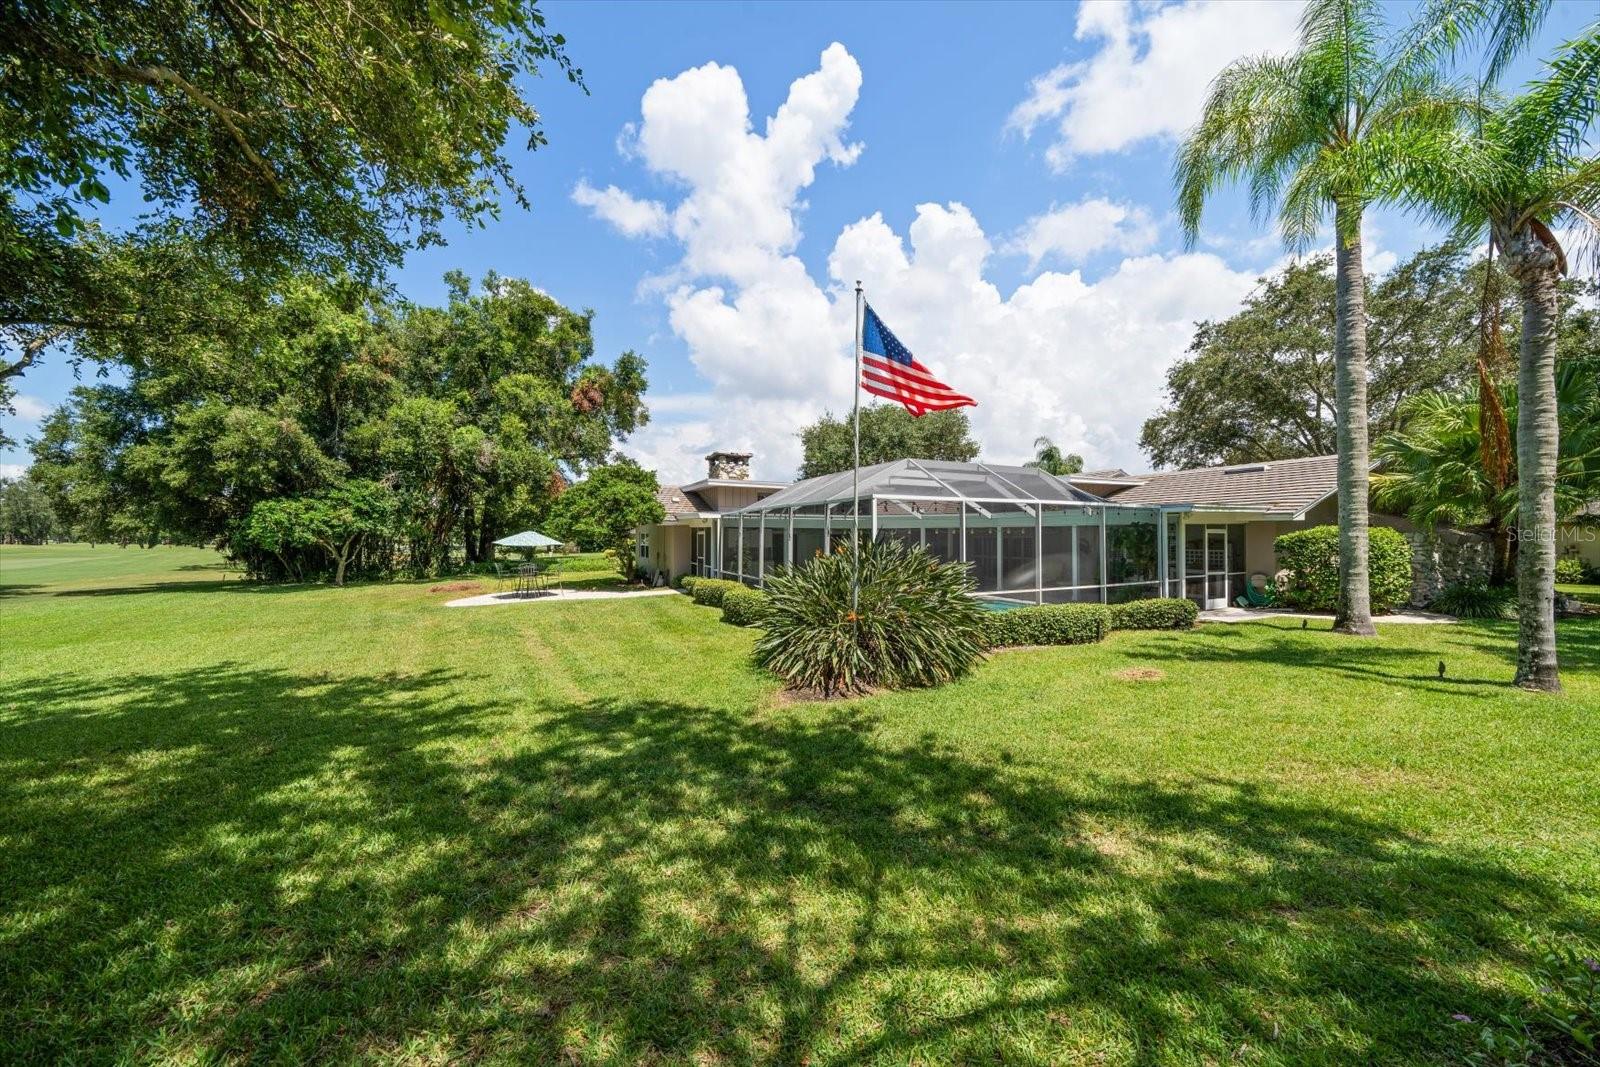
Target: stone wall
[(728, 466), (1446, 557)]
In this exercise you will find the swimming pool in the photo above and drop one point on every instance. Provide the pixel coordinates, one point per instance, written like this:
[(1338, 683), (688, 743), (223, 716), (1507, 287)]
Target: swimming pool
[(990, 604)]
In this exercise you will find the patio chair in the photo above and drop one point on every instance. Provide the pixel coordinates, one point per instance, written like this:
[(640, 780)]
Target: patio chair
[(528, 580), (1256, 598)]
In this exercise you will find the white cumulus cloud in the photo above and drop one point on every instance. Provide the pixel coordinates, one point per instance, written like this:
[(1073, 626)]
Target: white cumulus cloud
[(1080, 360), (627, 214), (1149, 73), (29, 408), (1073, 232), (13, 470)]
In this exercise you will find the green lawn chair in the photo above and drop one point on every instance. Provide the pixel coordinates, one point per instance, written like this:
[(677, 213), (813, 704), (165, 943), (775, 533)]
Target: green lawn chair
[(1253, 597)]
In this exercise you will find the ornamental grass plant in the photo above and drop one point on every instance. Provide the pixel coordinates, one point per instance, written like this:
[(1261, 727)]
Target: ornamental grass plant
[(914, 623)]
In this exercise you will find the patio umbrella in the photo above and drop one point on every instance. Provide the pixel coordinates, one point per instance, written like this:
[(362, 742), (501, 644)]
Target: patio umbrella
[(529, 540)]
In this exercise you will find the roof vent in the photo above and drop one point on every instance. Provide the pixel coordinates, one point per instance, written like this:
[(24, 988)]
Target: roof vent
[(1250, 468)]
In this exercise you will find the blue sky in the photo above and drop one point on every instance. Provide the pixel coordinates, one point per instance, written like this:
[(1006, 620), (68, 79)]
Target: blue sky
[(998, 175)]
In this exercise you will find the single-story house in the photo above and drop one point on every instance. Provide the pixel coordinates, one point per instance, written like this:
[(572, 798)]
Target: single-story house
[(682, 543), (1030, 537)]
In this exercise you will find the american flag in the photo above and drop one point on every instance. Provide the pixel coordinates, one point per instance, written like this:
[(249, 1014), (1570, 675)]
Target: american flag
[(887, 370)]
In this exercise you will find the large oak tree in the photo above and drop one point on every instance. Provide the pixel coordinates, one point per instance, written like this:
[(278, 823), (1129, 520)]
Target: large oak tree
[(252, 138)]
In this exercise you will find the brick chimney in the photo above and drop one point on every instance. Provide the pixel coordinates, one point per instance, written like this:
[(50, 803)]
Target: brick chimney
[(728, 466)]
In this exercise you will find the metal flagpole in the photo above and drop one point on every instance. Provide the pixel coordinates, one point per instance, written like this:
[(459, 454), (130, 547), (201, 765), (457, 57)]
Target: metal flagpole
[(855, 466)]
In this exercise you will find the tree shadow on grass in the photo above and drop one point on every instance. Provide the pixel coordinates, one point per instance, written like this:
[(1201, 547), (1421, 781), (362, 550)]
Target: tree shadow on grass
[(1266, 645), (1578, 648), (19, 588), (233, 862), (193, 585)]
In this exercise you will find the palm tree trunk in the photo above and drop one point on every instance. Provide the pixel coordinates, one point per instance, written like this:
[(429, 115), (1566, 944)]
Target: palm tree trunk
[(1538, 442), (1354, 613)]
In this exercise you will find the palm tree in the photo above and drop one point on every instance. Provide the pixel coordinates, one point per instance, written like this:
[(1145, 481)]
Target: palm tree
[(1432, 471), (1048, 457), (1522, 172), (1311, 133), (1431, 468)]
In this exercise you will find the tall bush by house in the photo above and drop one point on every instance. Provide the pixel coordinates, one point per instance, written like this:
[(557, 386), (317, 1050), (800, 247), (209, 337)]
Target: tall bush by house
[(1308, 562), (915, 624)]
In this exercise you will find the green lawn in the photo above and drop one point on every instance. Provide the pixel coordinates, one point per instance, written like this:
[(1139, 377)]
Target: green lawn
[(1589, 594), (287, 824)]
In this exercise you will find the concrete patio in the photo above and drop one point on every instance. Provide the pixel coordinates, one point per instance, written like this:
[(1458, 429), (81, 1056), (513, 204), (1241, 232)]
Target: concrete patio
[(554, 596)]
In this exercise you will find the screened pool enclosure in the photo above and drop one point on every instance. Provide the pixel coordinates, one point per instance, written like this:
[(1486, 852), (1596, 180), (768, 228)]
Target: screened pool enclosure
[(1028, 537)]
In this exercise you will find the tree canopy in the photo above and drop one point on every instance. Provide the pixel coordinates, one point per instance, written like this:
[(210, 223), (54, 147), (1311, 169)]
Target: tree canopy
[(422, 428), (1259, 385), (602, 511), (888, 431), (299, 133), (26, 517), (255, 140)]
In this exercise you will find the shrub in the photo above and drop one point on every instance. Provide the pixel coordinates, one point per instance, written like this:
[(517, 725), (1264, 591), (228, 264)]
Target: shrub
[(1159, 613), (1474, 600), (710, 591), (1309, 568), (1570, 570), (686, 582), (1559, 1023), (743, 607), (1048, 624), (915, 623)]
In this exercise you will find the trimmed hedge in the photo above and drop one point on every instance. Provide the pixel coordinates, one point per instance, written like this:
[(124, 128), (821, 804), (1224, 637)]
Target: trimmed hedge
[(1159, 613), (686, 582), (710, 591), (1048, 624), (742, 606), (1311, 560)]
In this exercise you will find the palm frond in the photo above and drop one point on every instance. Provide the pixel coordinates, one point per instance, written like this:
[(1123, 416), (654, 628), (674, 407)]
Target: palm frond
[(1247, 108), (1443, 29), (1554, 116), (1351, 30), (1306, 200)]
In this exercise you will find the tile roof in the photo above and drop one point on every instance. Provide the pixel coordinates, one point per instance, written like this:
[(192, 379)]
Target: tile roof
[(1105, 472), (677, 501), (1283, 485)]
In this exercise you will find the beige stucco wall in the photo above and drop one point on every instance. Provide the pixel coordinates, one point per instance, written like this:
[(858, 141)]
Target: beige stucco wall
[(670, 546), (1258, 553), (728, 497)]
